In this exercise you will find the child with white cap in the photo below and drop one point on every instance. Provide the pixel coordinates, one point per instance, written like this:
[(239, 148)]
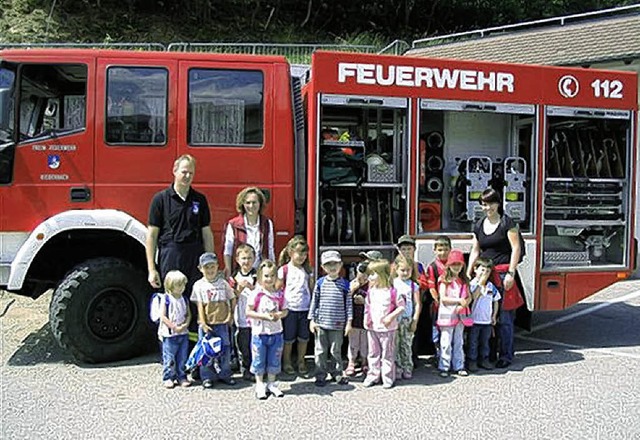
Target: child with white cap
[(330, 314)]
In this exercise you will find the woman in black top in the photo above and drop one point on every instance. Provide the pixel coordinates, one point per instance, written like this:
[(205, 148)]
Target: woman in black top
[(496, 238)]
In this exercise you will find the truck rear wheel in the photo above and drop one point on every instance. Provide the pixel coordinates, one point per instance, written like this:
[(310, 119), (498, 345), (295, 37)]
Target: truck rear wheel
[(99, 311)]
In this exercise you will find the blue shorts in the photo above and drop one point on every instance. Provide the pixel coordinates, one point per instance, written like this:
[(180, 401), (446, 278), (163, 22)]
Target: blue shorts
[(267, 354), (296, 326)]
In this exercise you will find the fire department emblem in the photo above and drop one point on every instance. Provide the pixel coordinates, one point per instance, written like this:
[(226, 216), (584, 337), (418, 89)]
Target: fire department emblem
[(53, 161), (568, 86), (195, 208)]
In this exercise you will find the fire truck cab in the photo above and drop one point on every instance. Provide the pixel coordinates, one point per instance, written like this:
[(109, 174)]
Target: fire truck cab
[(88, 136)]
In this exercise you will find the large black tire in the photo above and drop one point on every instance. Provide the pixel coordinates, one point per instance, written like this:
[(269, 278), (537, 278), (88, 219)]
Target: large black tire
[(98, 313)]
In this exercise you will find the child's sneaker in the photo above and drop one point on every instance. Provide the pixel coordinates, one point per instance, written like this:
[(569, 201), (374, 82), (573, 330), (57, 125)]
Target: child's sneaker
[(387, 385), (342, 380), (368, 383), (261, 391), (444, 374), (274, 390), (462, 373), (407, 375), (320, 382), (168, 384), (184, 383), (207, 383)]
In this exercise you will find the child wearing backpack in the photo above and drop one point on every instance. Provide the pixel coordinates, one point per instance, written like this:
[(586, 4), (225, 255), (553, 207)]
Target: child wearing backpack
[(293, 279), (358, 336), (435, 270), (266, 308), (243, 282), (405, 284), (383, 306), (215, 300), (330, 316), (173, 329), (453, 292)]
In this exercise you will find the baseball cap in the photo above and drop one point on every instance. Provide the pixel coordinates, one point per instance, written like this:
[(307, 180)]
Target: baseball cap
[(208, 258), (406, 239), (455, 256), (372, 255), (330, 257)]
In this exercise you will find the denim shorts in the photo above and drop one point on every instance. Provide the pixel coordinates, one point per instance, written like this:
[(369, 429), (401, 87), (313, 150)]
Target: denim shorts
[(267, 354), (296, 326)]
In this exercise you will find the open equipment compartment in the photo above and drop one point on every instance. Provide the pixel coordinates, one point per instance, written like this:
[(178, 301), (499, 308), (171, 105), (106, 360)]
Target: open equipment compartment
[(362, 163), (586, 191), (466, 147)]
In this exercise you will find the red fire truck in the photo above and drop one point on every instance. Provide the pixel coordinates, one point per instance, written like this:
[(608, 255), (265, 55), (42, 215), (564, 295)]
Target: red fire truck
[(371, 148)]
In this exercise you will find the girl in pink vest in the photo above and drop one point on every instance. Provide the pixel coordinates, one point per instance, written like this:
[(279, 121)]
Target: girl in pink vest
[(453, 291), (382, 308)]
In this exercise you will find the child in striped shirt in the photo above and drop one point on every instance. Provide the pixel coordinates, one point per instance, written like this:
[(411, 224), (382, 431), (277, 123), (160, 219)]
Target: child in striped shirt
[(330, 318)]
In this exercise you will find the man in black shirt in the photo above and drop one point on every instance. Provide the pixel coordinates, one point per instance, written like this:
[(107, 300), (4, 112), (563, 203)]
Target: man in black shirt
[(178, 228)]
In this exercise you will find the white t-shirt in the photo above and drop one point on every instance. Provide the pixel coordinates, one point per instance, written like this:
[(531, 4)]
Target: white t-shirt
[(482, 307), (216, 297), (268, 303), (176, 311), (240, 316), (296, 290)]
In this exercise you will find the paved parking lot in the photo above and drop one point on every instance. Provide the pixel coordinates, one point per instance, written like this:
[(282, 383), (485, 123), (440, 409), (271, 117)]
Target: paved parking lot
[(575, 377)]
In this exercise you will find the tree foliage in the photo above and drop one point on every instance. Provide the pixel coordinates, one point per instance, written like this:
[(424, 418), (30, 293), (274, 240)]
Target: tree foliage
[(266, 20)]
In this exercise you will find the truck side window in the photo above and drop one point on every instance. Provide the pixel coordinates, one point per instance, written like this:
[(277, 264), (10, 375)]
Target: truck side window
[(226, 107), (52, 100), (136, 106)]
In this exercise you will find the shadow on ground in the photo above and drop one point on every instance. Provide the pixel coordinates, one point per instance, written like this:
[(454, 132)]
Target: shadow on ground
[(609, 327)]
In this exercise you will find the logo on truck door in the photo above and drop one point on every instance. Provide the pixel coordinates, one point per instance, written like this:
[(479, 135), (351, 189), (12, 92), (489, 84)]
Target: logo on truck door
[(568, 86)]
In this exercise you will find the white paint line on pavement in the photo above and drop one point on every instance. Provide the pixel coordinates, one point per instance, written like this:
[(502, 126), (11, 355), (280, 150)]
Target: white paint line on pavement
[(578, 348), (586, 311)]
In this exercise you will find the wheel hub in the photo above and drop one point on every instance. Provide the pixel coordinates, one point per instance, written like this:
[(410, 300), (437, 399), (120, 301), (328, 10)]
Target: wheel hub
[(111, 314)]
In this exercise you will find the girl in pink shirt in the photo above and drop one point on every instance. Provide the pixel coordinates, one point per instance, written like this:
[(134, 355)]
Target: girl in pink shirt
[(382, 307), (453, 291)]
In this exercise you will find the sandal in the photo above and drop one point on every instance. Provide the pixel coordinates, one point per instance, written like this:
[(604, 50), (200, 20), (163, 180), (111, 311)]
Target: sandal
[(350, 371)]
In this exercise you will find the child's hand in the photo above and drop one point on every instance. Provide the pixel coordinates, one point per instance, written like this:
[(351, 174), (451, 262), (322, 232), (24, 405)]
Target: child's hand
[(312, 326), (414, 325), (386, 321), (347, 329), (205, 328), (358, 299), (494, 320)]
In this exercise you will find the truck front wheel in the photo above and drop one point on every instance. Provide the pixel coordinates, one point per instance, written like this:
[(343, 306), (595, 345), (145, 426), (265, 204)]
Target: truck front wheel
[(99, 311)]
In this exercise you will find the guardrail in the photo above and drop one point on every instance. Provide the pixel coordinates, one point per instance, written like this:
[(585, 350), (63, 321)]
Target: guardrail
[(129, 46), (295, 53)]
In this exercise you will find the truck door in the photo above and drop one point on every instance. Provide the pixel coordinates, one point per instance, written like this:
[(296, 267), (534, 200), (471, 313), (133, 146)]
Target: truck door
[(136, 135), (240, 132), (47, 151)]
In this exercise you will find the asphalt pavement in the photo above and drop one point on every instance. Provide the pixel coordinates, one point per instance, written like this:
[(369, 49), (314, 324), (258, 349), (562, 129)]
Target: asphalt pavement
[(575, 377)]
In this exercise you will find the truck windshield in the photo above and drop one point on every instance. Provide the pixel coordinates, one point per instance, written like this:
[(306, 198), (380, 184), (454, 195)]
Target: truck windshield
[(7, 78)]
